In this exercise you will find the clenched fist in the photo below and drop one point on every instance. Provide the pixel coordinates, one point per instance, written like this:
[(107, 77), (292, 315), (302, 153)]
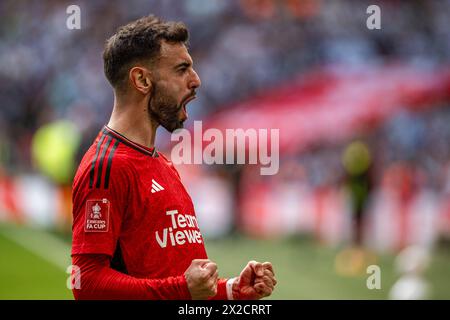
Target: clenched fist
[(201, 278), (256, 281)]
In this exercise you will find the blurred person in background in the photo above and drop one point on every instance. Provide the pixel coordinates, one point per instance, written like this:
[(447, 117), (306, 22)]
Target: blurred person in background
[(357, 161)]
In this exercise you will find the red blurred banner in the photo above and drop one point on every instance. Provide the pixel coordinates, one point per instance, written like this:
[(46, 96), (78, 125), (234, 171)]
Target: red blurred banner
[(335, 103)]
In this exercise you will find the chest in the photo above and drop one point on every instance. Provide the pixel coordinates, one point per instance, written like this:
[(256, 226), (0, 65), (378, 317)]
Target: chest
[(163, 201)]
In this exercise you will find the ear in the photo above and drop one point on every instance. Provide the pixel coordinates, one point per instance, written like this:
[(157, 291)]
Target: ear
[(140, 79)]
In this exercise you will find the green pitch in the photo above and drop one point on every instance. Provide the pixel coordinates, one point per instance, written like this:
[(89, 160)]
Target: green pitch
[(304, 270), (26, 275)]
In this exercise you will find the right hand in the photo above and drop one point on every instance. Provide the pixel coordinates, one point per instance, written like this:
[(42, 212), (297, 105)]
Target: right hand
[(201, 278), (256, 281)]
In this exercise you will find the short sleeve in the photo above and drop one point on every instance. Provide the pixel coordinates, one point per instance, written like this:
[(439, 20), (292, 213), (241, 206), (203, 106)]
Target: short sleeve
[(99, 212)]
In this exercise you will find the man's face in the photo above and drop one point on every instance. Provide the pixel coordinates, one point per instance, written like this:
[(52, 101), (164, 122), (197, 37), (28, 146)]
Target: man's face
[(174, 85)]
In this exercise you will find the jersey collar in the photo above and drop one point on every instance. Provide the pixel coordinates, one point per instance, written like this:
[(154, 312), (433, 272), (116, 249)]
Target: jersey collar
[(148, 151)]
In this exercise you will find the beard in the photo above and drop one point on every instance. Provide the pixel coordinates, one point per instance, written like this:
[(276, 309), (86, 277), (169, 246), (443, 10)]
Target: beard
[(165, 110)]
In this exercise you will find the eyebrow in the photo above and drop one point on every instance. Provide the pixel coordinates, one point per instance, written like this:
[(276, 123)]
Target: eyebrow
[(183, 64)]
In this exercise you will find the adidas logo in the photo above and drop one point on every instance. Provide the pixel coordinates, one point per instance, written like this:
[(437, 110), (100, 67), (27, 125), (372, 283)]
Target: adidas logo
[(156, 186)]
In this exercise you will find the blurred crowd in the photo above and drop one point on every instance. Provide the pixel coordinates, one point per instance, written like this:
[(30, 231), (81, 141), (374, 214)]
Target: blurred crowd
[(386, 189), (240, 48)]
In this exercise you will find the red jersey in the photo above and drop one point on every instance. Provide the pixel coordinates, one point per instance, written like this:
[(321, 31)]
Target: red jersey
[(129, 203)]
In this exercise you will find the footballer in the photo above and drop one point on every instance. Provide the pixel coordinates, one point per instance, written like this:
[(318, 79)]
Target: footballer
[(135, 233)]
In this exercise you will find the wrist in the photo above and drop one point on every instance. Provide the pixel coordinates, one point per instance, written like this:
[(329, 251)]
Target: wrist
[(221, 290), (183, 287), (231, 287)]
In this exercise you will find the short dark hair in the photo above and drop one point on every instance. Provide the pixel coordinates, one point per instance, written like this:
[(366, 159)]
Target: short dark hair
[(139, 40)]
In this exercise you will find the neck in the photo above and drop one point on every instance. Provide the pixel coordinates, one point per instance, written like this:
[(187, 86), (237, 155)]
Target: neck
[(132, 120)]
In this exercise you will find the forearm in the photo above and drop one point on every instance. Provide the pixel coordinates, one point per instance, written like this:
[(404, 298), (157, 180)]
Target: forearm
[(99, 282)]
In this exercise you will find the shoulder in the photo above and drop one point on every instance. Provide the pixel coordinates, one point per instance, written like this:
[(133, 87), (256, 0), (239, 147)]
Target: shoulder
[(168, 163), (107, 163)]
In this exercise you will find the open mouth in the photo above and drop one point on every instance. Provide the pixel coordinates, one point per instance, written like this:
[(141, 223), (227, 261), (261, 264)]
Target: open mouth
[(185, 103)]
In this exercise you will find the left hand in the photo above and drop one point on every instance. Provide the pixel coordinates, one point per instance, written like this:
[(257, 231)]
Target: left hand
[(256, 281)]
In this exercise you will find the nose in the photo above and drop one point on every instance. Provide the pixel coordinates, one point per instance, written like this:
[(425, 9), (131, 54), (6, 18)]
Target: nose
[(195, 81)]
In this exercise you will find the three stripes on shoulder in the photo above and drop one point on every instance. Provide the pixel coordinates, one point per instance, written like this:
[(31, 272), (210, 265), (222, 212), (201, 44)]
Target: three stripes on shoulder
[(156, 186)]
